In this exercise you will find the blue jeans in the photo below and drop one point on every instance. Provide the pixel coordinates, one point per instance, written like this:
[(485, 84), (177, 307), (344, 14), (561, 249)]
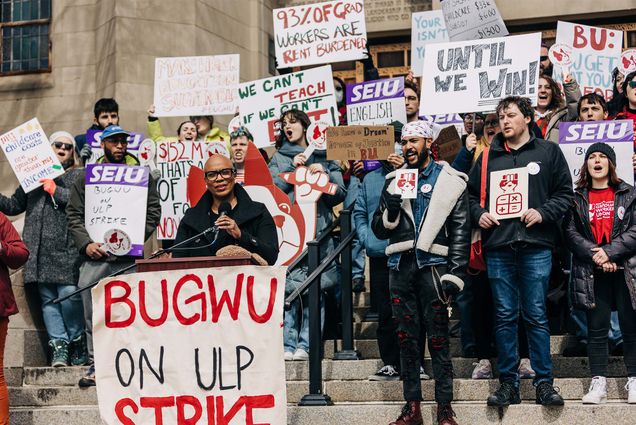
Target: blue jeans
[(357, 250), (296, 324), (580, 320), (66, 319), (519, 278)]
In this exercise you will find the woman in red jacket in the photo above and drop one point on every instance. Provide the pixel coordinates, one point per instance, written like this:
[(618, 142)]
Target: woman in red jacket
[(13, 254)]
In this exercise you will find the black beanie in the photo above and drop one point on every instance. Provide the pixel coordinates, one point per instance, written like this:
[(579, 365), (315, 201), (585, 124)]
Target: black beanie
[(603, 148)]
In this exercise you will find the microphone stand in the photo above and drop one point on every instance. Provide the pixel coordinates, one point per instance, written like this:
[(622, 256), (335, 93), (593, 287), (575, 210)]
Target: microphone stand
[(155, 255)]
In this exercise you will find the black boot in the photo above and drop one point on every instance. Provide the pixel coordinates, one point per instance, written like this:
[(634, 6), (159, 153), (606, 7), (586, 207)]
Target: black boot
[(547, 395), (506, 394)]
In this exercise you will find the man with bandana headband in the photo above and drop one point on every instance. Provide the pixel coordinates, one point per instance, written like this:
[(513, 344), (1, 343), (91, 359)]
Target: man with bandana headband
[(429, 243)]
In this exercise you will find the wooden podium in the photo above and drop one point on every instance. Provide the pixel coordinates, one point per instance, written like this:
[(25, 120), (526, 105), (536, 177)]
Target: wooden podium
[(160, 264)]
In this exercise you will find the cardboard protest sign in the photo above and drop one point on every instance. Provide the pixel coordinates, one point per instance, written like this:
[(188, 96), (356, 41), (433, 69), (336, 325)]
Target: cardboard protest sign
[(196, 85), (30, 155), (426, 27), (406, 183), (351, 142), (473, 76), (311, 34), (378, 102), (576, 137), (94, 139), (196, 346), (472, 20), (115, 207), (448, 144), (596, 51), (174, 160), (263, 101), (508, 193)]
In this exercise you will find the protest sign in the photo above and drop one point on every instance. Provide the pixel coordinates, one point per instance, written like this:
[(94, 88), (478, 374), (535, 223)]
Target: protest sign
[(576, 137), (263, 101), (595, 51), (94, 139), (351, 142), (426, 27), (473, 76), (196, 85), (472, 20), (627, 63), (445, 120), (406, 183), (509, 192), (30, 155), (378, 102), (311, 34), (448, 144), (196, 346), (115, 207), (174, 160)]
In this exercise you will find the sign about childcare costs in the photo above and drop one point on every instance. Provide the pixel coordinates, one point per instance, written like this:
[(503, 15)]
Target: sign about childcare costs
[(576, 137), (376, 102), (263, 101), (596, 51), (196, 85), (473, 76), (30, 155), (197, 346), (509, 192), (426, 27), (311, 34), (115, 213), (473, 19)]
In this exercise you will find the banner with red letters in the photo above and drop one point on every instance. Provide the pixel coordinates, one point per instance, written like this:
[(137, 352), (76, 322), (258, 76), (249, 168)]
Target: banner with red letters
[(199, 346)]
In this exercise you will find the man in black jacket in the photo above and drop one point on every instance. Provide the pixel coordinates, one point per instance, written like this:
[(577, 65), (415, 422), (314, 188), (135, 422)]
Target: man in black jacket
[(429, 240), (248, 224), (518, 251)]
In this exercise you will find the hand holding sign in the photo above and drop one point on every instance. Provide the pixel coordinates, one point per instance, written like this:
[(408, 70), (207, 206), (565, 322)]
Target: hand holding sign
[(406, 183), (562, 55), (316, 138)]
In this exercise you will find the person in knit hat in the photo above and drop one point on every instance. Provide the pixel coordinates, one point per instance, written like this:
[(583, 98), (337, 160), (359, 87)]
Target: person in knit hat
[(600, 230)]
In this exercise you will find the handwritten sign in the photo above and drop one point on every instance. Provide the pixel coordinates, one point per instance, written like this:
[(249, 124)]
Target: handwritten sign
[(115, 214), (196, 346), (350, 142), (508, 193), (426, 27), (196, 85), (596, 51), (30, 155), (473, 19), (263, 101), (378, 102), (473, 76), (576, 137), (319, 33), (448, 144)]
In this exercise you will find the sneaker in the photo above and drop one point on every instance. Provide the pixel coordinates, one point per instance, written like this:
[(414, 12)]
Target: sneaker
[(423, 375), (288, 356), (88, 380), (411, 414), (547, 395), (506, 394), (631, 390), (300, 355), (597, 393), (78, 353), (386, 373), (445, 415), (357, 285), (525, 369), (483, 370), (59, 352)]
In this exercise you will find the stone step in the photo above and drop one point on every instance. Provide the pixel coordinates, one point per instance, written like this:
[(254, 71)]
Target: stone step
[(368, 330), (382, 413), (52, 396)]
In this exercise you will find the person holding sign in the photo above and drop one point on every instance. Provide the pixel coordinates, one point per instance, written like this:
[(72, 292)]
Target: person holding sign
[(291, 145), (187, 130), (429, 244), (518, 250), (52, 266), (97, 262), (601, 232), (246, 223)]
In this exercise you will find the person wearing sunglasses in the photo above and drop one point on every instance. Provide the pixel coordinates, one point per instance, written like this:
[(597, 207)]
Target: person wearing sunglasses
[(247, 224), (96, 262), (628, 106), (52, 265)]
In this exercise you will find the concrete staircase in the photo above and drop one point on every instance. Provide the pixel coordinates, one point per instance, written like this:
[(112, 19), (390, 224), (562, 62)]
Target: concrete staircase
[(44, 396)]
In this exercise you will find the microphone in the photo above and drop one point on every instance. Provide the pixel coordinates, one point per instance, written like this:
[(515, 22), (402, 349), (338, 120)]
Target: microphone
[(224, 209)]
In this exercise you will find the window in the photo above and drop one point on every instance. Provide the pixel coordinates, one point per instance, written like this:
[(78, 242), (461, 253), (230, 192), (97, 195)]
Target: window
[(24, 29)]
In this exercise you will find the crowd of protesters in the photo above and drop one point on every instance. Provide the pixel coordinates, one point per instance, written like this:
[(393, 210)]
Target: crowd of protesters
[(577, 235)]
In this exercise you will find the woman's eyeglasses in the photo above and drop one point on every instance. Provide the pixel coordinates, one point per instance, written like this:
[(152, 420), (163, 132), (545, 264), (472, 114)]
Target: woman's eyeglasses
[(632, 84), (225, 174), (65, 146)]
